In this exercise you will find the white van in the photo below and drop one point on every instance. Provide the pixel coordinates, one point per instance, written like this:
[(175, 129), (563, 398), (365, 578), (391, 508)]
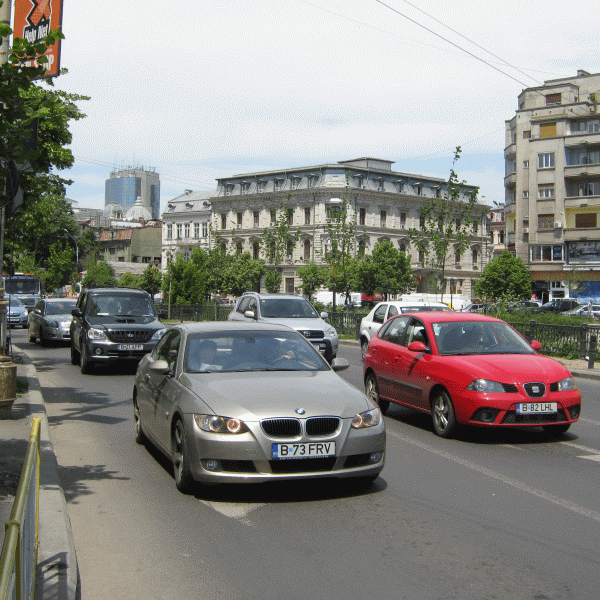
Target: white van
[(382, 311)]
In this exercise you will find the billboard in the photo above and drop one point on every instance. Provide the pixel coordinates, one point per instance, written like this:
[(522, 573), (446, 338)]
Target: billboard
[(34, 19)]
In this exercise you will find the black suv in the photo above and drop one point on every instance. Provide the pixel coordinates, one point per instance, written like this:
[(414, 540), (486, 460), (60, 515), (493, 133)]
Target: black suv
[(113, 324), (558, 305)]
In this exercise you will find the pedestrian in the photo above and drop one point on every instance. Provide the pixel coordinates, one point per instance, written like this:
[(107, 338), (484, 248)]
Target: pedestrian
[(589, 308)]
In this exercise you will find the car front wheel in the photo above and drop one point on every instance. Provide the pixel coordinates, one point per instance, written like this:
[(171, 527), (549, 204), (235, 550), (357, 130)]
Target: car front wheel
[(364, 344), (181, 462), (372, 391), (84, 360), (442, 413), (75, 356), (139, 432), (30, 335)]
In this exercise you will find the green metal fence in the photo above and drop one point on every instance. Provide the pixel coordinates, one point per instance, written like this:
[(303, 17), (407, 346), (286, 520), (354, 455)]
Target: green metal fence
[(559, 340), (18, 562)]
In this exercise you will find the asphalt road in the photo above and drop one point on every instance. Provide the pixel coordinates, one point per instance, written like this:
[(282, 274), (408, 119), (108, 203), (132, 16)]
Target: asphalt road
[(486, 515)]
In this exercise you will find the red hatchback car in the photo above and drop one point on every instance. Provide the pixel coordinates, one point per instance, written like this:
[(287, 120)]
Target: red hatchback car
[(468, 369)]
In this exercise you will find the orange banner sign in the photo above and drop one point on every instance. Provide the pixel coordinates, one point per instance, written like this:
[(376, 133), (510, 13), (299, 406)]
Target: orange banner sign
[(34, 19)]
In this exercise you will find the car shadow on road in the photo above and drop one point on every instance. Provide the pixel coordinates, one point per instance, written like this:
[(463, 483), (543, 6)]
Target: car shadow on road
[(479, 435), (276, 492)]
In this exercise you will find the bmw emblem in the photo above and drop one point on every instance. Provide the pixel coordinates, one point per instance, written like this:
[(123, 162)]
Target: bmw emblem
[(300, 411)]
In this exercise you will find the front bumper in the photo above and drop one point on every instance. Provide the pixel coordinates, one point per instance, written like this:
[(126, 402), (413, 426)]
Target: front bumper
[(247, 458), (105, 351)]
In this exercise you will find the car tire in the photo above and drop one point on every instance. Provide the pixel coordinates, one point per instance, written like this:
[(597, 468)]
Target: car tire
[(43, 340), (181, 465), (30, 336), (556, 430), (367, 481), (364, 344), (85, 364), (442, 414), (372, 391), (140, 437), (75, 356)]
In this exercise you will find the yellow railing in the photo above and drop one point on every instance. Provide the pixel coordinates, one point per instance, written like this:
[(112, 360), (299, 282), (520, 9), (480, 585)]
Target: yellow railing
[(19, 552)]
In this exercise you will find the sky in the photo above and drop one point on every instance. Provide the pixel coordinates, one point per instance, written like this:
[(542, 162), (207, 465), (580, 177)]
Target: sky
[(199, 89)]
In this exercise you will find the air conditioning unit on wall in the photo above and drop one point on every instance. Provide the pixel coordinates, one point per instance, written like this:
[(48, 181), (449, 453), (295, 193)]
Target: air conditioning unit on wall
[(525, 229), (557, 225)]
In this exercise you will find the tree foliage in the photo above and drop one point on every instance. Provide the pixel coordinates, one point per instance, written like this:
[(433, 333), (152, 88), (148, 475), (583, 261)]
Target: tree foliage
[(446, 227), (243, 274), (99, 274), (151, 280), (386, 271), (504, 278), (129, 280), (313, 277)]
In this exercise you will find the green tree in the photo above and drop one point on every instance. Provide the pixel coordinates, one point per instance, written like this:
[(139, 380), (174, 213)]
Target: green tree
[(61, 267), (99, 274), (386, 271), (243, 274), (447, 224), (313, 277), (504, 278), (278, 243), (340, 243), (272, 281), (129, 280), (151, 280)]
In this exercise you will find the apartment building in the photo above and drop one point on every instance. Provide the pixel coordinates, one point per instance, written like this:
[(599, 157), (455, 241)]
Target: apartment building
[(552, 185), (383, 204)]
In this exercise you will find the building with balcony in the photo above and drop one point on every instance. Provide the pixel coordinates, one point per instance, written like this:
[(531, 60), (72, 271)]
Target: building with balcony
[(552, 186), (383, 205), (186, 224)]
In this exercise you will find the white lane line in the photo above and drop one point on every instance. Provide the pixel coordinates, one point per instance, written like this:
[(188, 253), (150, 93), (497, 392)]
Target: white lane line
[(580, 447), (592, 514), (233, 510), (513, 447), (589, 421)]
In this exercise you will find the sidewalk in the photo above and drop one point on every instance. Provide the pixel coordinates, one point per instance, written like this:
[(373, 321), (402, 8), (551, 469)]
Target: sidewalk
[(57, 576), (57, 573)]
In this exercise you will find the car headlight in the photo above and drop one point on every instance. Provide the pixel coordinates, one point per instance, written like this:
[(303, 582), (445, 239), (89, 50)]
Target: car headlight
[(567, 384), (371, 418), (330, 332), (97, 335), (157, 335), (219, 424), (52, 324), (485, 385)]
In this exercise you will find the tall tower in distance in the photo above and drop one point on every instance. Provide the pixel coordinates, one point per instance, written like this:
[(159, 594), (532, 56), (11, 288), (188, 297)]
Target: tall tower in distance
[(124, 187)]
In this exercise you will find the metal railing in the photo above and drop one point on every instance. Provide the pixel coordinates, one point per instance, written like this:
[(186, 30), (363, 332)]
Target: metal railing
[(559, 340), (19, 553)]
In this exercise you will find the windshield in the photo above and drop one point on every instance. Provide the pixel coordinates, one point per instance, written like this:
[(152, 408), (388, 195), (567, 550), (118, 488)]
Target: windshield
[(14, 302), (22, 286), (479, 337), (114, 306), (288, 308), (60, 308), (251, 351)]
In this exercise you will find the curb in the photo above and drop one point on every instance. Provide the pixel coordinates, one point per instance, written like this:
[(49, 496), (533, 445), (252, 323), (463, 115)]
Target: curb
[(57, 575)]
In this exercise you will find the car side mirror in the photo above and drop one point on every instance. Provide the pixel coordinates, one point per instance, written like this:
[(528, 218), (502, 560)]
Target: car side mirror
[(76, 312), (417, 347), (160, 366), (339, 364), (163, 314), (536, 345), (324, 315), (249, 314), (37, 311)]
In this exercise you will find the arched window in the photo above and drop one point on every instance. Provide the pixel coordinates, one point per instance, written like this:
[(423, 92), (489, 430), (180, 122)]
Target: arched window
[(255, 250), (238, 248), (306, 249)]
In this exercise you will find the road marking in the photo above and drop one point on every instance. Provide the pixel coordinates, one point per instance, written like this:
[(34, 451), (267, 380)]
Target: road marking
[(592, 514), (580, 447), (233, 510), (589, 421)]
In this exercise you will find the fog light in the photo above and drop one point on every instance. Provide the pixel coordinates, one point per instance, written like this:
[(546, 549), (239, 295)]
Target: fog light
[(486, 415), (375, 457), (98, 351), (574, 411), (210, 464)]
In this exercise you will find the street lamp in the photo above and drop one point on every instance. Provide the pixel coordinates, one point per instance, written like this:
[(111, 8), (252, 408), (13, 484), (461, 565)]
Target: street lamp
[(76, 251)]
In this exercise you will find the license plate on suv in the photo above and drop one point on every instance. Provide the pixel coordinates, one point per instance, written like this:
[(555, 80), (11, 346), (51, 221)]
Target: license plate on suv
[(310, 450), (130, 347)]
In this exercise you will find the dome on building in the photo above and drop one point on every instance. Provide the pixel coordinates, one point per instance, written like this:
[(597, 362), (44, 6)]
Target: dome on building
[(113, 210), (138, 212)]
